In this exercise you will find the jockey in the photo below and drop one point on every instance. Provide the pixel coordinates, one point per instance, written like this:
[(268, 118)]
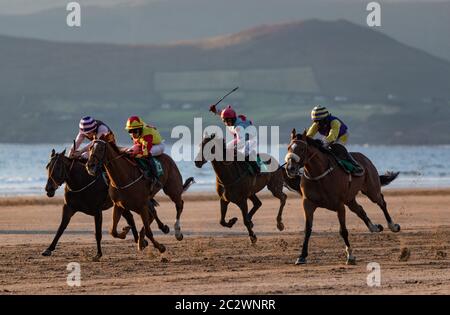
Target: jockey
[(147, 141), (90, 128), (245, 139), (334, 132)]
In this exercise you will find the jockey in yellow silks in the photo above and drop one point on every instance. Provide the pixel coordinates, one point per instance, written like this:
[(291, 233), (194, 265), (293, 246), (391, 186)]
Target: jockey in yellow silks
[(147, 139), (334, 132), (147, 142)]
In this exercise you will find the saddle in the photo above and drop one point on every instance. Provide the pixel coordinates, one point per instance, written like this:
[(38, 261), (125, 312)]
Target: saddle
[(345, 160), (256, 167)]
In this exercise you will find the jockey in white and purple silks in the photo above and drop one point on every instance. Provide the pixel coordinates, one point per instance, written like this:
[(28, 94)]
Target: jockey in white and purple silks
[(88, 129)]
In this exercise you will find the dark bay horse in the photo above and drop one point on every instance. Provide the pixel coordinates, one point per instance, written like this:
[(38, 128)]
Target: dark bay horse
[(83, 193), (129, 188), (235, 184), (324, 184)]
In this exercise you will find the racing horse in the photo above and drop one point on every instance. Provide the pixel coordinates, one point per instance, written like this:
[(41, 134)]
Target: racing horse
[(130, 189), (235, 183), (324, 184), (83, 193)]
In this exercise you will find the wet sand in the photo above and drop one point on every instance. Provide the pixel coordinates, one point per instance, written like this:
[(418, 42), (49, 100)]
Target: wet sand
[(216, 260)]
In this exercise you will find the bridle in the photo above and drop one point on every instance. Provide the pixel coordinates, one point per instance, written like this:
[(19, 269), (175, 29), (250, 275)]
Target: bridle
[(298, 159), (301, 162), (65, 176), (64, 173)]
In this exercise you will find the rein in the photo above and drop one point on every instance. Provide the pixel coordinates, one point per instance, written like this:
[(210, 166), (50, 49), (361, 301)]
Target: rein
[(328, 171), (121, 155), (66, 177), (84, 188)]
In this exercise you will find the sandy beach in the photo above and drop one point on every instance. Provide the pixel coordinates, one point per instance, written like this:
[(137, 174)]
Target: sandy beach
[(216, 260)]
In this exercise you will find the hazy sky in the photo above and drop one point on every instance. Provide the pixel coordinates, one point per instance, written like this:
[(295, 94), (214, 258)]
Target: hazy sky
[(30, 6)]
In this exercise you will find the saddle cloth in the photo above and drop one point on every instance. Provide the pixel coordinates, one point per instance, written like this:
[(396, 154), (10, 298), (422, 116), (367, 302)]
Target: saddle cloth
[(144, 164)]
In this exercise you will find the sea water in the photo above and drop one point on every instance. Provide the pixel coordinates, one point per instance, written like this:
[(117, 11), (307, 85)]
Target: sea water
[(22, 167)]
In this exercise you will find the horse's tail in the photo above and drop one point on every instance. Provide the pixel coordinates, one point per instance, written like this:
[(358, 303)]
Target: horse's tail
[(388, 177), (188, 183)]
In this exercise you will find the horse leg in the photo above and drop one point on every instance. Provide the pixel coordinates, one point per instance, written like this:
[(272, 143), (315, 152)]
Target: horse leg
[(145, 216), (175, 196), (164, 228), (117, 213), (130, 221), (223, 213), (66, 216), (359, 210), (98, 234), (179, 203), (351, 260), (142, 243), (309, 207), (278, 193), (248, 223), (256, 205), (394, 227)]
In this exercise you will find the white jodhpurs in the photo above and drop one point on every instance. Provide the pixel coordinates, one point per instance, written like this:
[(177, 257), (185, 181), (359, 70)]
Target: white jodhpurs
[(157, 149)]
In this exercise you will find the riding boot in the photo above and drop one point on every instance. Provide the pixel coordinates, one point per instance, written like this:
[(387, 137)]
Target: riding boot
[(254, 165), (341, 152), (154, 172), (151, 167)]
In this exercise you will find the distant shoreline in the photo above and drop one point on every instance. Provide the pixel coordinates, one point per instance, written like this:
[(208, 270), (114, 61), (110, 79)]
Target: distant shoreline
[(29, 200)]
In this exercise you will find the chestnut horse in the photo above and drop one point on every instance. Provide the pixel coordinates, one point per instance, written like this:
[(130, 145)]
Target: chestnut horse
[(324, 184), (130, 189), (235, 184), (84, 193)]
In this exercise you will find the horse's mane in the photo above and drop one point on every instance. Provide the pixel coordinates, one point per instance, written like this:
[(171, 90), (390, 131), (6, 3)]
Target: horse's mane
[(316, 143), (218, 140), (113, 146), (221, 140)]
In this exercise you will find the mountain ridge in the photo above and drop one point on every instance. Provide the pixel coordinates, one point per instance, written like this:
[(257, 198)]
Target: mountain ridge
[(334, 62)]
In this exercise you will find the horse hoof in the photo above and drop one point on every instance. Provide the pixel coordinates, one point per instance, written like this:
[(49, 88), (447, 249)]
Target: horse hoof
[(142, 244), (351, 261), (126, 229), (380, 228), (179, 237), (394, 228), (162, 248), (232, 222), (47, 253), (300, 261), (165, 229), (253, 239), (280, 226), (96, 258)]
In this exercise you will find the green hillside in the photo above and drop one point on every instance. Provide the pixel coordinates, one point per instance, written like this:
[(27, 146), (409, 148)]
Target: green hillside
[(386, 91)]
